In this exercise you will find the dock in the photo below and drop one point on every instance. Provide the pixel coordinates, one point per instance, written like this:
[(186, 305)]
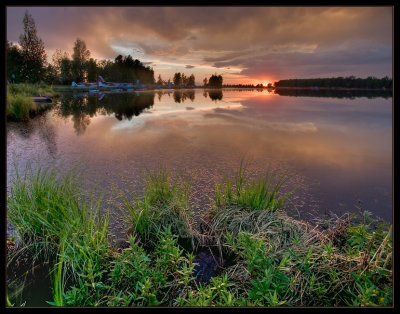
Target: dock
[(42, 99)]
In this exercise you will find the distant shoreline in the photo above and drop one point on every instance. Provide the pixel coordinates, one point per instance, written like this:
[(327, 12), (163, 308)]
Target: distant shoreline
[(335, 88), (71, 89)]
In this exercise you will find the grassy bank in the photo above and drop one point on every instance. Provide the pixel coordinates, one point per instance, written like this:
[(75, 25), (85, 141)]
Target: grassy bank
[(20, 105), (265, 258)]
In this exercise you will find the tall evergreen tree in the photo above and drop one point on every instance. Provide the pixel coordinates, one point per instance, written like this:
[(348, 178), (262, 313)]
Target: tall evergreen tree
[(177, 79), (79, 60), (160, 81), (32, 51), (191, 80)]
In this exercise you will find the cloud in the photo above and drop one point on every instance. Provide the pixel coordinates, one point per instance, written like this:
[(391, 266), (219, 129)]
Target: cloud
[(361, 59), (255, 41), (189, 66)]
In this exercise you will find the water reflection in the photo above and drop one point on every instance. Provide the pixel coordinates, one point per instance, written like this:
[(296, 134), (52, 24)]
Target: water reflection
[(47, 132), (182, 95), (215, 94), (342, 146), (25, 129), (83, 107), (351, 94)]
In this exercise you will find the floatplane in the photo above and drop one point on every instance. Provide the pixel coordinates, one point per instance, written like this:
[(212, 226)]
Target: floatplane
[(101, 82)]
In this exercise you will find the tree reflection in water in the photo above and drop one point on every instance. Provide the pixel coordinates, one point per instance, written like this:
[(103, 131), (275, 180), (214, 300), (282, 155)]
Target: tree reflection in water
[(215, 94), (84, 107), (333, 93), (182, 95)]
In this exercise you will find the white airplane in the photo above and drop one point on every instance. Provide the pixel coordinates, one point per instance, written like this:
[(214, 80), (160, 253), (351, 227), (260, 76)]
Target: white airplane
[(102, 83), (84, 85)]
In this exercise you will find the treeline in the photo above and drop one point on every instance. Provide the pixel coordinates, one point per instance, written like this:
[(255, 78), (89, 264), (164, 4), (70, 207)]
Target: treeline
[(125, 69), (215, 81), (181, 80), (342, 82), (244, 86), (27, 62)]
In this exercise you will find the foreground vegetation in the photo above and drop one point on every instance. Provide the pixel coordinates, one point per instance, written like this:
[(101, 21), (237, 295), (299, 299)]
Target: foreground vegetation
[(20, 104), (266, 258)]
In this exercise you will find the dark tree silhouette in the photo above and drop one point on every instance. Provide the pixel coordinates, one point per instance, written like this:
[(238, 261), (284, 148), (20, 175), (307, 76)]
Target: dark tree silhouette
[(32, 51), (160, 81), (215, 81), (191, 80), (181, 79), (66, 76), (92, 72), (177, 79), (14, 63), (215, 94), (126, 70), (341, 82), (79, 59)]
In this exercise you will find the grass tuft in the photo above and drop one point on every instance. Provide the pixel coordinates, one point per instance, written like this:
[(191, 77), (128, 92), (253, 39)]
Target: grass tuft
[(165, 204), (19, 99), (19, 106), (274, 261), (252, 194)]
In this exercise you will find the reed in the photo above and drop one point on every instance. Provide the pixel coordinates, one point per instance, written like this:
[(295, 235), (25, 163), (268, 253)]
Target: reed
[(19, 106), (270, 258), (19, 99), (31, 90), (165, 204)]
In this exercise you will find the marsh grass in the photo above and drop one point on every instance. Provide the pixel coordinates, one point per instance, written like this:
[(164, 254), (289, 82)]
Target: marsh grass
[(54, 221), (282, 261), (30, 90), (19, 106), (41, 206), (274, 260), (245, 204), (19, 100), (165, 204), (261, 193)]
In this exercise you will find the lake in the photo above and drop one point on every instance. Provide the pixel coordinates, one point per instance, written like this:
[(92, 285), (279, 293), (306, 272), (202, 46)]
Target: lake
[(339, 148)]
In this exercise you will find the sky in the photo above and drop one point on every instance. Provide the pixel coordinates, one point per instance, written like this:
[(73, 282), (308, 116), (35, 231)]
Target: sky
[(249, 45)]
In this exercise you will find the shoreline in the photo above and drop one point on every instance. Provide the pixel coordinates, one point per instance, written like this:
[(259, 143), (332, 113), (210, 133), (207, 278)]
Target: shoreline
[(335, 88), (71, 89)]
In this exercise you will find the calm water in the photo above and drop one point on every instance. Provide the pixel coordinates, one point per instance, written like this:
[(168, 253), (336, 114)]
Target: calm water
[(340, 148)]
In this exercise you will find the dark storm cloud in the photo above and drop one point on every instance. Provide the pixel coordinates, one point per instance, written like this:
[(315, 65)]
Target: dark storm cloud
[(259, 41), (366, 60)]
